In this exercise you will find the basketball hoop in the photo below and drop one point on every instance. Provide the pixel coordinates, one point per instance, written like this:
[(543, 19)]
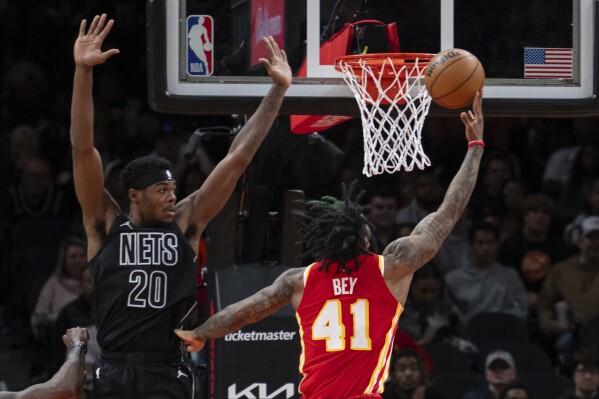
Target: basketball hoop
[(393, 101)]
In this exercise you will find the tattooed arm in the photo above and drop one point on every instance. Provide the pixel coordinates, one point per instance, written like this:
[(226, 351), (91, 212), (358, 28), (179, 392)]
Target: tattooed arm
[(287, 288), (405, 255), (68, 381)]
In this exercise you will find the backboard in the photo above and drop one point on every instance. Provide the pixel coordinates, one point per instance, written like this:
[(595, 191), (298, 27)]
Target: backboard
[(540, 56)]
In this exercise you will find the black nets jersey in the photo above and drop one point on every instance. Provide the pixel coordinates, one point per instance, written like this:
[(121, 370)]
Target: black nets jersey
[(144, 287)]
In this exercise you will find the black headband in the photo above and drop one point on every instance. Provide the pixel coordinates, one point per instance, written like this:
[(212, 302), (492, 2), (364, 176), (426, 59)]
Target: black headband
[(154, 177)]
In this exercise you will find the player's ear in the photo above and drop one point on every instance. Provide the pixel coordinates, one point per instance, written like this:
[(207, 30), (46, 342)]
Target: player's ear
[(134, 195)]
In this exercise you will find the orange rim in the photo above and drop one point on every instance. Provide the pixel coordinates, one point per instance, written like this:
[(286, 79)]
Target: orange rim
[(377, 60), (404, 65)]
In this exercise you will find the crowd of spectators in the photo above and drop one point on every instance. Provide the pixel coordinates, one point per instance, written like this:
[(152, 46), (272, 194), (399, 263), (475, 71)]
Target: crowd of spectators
[(528, 245)]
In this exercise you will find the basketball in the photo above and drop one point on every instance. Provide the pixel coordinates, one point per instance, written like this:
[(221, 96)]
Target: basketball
[(207, 46), (453, 77)]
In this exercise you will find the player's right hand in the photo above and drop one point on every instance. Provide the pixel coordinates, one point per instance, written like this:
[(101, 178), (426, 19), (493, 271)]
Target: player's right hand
[(88, 46), (188, 337)]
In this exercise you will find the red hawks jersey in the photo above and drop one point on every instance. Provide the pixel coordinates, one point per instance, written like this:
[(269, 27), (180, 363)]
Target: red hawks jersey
[(347, 324)]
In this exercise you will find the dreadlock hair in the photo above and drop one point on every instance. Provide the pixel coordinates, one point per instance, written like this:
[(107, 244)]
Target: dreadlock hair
[(333, 230)]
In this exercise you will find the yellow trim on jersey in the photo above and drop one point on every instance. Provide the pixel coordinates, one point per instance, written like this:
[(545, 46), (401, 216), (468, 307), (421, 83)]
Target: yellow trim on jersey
[(307, 273), (384, 355), (302, 358), (382, 264)]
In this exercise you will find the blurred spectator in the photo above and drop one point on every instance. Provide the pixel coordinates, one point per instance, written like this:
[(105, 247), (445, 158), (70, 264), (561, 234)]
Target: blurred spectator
[(24, 145), (64, 285), (25, 95), (571, 200), (569, 172), (36, 195), (33, 211), (428, 316), (428, 194), (405, 229), (570, 293), (455, 250), (500, 371), (168, 145), (483, 284), (515, 391), (572, 230), (535, 235), (531, 251), (565, 163), (116, 113), (535, 267), (61, 288), (487, 202), (409, 378), (147, 129), (585, 375), (511, 219), (383, 208)]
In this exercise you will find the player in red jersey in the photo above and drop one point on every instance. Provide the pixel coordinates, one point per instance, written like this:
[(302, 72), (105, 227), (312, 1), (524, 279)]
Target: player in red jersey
[(348, 303)]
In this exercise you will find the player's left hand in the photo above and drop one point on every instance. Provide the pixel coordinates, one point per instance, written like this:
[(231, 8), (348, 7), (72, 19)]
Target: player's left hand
[(193, 343), (75, 335), (278, 68)]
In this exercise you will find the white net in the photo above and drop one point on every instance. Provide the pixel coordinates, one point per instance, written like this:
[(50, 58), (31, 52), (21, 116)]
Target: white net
[(392, 134)]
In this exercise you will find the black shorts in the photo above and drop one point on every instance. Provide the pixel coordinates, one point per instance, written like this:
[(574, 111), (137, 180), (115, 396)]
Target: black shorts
[(144, 375)]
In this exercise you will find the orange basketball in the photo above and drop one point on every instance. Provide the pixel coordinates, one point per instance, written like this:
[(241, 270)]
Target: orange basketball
[(453, 77)]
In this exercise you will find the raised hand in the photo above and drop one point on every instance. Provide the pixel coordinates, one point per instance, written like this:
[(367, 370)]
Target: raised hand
[(474, 120), (188, 337), (278, 68), (88, 46)]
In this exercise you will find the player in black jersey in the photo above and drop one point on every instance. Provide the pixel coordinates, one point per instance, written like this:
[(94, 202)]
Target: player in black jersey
[(142, 263)]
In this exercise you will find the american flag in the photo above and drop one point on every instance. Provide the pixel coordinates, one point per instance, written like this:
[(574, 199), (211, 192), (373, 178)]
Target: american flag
[(547, 63)]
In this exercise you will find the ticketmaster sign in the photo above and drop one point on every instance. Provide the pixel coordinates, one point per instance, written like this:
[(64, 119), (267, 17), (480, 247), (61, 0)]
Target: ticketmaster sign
[(261, 336), (262, 359)]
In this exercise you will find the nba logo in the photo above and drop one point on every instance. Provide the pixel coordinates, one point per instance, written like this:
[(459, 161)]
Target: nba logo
[(200, 57)]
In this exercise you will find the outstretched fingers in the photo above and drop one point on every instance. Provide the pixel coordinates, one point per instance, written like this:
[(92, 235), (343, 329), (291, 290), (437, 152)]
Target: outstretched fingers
[(284, 55), (98, 27), (477, 103), (106, 29), (276, 66), (82, 27), (473, 119), (465, 119), (274, 50), (93, 25), (277, 52), (109, 53)]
